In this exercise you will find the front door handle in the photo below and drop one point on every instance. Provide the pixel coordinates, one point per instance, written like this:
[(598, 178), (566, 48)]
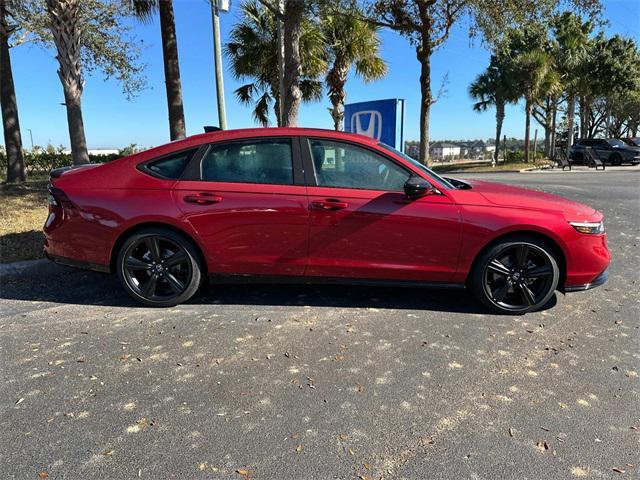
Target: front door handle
[(203, 198), (330, 204)]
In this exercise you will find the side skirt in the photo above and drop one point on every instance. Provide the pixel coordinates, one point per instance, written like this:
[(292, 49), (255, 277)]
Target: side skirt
[(277, 279)]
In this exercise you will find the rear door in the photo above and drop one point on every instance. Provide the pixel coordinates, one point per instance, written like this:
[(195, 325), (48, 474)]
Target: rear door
[(362, 224), (602, 149), (248, 202)]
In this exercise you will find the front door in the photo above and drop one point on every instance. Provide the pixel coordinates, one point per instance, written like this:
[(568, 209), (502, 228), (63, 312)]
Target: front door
[(248, 205), (363, 226)]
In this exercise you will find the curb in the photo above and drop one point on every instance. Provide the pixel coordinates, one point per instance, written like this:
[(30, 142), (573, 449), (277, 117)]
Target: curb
[(41, 266)]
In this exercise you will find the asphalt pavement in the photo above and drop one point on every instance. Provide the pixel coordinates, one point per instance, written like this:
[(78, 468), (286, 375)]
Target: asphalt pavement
[(333, 382)]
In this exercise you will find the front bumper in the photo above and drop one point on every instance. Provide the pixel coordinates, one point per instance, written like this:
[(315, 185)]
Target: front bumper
[(596, 282)]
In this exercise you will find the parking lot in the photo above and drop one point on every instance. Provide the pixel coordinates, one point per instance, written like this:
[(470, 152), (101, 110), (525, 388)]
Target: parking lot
[(297, 382)]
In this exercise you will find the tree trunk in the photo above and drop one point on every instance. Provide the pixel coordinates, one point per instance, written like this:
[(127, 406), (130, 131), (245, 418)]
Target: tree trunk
[(426, 99), (571, 112), (280, 35), (63, 17), (554, 116), (79, 150), (499, 121), (527, 128), (584, 117), (10, 121), (294, 10), (547, 126), (336, 80), (177, 127)]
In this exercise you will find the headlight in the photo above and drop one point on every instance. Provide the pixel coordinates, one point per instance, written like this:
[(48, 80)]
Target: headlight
[(588, 227)]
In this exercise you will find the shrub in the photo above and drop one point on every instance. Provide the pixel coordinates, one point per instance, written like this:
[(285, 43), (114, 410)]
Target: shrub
[(518, 156), (42, 162)]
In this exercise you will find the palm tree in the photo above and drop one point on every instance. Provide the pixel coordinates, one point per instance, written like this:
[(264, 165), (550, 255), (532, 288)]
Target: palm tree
[(144, 10), (10, 122), (537, 79), (350, 42), (253, 54), (64, 24), (494, 87), (572, 39)]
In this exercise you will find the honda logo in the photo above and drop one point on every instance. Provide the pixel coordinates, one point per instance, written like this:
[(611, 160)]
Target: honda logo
[(367, 122)]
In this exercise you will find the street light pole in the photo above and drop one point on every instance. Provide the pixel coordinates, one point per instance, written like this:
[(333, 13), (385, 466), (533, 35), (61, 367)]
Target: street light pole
[(217, 52)]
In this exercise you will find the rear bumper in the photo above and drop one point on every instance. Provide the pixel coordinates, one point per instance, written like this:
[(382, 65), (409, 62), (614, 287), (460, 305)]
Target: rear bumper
[(596, 282), (72, 262)]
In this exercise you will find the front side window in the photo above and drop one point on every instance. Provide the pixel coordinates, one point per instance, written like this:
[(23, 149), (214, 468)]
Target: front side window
[(170, 166), (348, 166), (254, 161), (614, 142)]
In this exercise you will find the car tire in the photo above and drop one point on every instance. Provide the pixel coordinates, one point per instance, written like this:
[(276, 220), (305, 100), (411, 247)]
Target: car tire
[(615, 160), (516, 275), (159, 267)]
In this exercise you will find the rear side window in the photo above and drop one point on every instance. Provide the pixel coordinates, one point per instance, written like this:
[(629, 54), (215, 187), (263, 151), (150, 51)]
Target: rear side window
[(253, 161), (170, 166)]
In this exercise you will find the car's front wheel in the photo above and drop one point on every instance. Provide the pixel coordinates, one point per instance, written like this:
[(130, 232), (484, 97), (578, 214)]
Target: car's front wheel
[(159, 267), (516, 276)]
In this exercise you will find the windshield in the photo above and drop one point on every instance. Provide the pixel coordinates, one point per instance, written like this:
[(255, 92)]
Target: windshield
[(415, 163), (614, 142)]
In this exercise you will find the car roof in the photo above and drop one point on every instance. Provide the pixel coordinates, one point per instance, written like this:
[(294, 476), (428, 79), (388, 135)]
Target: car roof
[(279, 131), (195, 141)]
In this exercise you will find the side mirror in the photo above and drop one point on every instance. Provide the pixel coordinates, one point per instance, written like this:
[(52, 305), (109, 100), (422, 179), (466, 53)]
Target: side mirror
[(417, 187)]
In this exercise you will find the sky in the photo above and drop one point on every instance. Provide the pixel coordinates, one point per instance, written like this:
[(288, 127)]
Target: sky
[(112, 121)]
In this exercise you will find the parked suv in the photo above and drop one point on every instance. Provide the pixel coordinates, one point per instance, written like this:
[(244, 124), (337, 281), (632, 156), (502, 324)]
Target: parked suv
[(609, 150)]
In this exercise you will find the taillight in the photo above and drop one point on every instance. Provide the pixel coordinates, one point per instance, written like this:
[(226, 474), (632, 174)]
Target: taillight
[(58, 199)]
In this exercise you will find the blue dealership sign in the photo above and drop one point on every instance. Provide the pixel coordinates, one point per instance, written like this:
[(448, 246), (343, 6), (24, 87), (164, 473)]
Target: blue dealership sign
[(376, 119)]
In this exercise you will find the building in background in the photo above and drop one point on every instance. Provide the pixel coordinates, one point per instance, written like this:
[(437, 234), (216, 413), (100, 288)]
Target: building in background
[(441, 151)]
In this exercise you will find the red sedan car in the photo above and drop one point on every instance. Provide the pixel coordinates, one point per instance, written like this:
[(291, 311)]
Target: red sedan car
[(316, 206)]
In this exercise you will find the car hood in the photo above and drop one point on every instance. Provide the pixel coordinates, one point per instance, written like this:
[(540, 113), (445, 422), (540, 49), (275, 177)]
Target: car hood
[(517, 197)]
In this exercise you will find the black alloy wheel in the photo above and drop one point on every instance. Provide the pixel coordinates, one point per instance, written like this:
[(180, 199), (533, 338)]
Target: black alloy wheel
[(159, 268), (516, 276)]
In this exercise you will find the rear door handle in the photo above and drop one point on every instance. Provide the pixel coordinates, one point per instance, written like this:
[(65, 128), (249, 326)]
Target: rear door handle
[(203, 198), (330, 204)]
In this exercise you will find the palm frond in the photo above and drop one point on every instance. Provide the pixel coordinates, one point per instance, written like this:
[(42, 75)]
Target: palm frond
[(261, 110), (144, 9)]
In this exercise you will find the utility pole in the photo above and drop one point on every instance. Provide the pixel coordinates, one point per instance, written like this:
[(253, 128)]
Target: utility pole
[(31, 135), (280, 29), (216, 6)]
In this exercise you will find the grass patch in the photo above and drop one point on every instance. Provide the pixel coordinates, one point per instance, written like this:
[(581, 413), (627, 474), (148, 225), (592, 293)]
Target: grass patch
[(23, 210), (480, 167)]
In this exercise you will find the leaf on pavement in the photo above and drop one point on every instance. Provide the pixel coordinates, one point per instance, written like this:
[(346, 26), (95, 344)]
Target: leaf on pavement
[(244, 472)]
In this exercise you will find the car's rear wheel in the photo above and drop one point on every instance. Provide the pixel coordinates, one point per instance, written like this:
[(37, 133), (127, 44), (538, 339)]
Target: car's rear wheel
[(159, 267), (615, 159), (516, 276)]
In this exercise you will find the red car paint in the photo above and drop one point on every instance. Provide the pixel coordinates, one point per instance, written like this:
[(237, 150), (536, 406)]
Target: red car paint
[(288, 230)]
